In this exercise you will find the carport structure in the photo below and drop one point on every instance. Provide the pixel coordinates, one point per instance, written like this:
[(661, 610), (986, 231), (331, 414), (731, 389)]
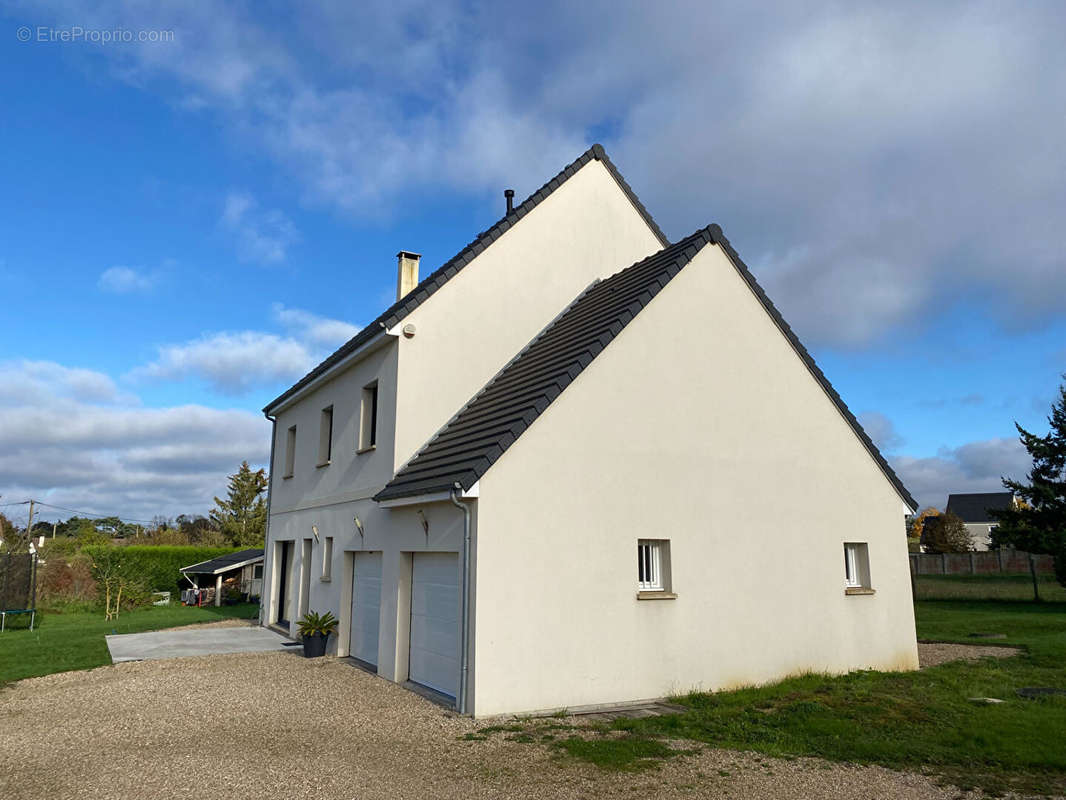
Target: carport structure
[(249, 563)]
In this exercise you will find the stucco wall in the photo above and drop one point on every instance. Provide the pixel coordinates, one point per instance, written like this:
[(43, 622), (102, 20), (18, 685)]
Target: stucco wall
[(489, 311), (700, 425)]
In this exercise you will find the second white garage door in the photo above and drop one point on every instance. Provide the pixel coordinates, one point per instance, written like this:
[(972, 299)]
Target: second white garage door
[(435, 621), (366, 607)]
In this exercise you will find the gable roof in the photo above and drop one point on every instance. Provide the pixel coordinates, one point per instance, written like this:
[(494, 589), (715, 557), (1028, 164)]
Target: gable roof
[(226, 563), (975, 507), (395, 313), (465, 448)]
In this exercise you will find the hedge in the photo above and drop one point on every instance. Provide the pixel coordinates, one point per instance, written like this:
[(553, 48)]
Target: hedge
[(159, 566)]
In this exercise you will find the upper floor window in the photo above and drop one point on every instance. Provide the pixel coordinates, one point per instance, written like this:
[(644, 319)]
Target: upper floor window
[(290, 453), (368, 418), (325, 437)]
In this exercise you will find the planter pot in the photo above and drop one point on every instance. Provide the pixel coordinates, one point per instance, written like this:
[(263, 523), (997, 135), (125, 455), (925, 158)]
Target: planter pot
[(315, 645)]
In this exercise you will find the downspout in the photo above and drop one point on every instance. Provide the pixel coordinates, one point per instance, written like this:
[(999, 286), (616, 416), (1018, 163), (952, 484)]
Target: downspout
[(266, 528), (464, 638)]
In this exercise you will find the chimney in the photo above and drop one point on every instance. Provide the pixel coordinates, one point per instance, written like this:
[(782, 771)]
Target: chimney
[(406, 273), (509, 194)]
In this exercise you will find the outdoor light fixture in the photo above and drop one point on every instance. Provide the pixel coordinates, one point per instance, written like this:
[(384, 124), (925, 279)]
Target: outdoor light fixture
[(314, 530), (425, 522), (359, 526)]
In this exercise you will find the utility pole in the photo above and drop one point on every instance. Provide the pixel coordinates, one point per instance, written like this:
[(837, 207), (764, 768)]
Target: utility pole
[(54, 525), (29, 527)]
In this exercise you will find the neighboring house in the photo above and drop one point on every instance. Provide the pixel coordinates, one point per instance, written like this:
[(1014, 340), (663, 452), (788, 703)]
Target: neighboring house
[(973, 510), (243, 570), (580, 465)]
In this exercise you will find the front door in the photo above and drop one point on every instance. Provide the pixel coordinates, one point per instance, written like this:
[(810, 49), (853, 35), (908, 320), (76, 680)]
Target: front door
[(283, 583)]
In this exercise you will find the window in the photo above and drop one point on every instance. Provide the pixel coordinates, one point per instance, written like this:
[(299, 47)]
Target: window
[(653, 565), (856, 566), (368, 422), (327, 558), (290, 453), (257, 572), (325, 437)]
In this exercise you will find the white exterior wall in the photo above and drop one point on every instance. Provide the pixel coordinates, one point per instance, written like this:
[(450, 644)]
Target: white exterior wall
[(698, 424), (481, 318), (466, 332)]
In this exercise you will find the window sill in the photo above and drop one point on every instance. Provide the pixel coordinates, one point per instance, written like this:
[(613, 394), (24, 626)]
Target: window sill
[(286, 477), (325, 579), (362, 450), (854, 590), (321, 464), (656, 596)]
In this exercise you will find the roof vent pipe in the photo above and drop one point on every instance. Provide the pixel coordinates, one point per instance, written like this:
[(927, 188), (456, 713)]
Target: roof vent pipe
[(509, 194)]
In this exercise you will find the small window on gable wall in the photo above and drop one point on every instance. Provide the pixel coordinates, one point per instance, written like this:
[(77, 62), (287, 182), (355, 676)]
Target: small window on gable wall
[(856, 565), (653, 565)]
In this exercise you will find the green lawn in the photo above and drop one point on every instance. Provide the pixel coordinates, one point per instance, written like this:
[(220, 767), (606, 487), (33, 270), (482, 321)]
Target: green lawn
[(62, 642), (918, 720), (987, 587)]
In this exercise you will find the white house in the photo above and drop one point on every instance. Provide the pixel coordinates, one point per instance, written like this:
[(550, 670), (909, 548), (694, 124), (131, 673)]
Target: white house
[(578, 464)]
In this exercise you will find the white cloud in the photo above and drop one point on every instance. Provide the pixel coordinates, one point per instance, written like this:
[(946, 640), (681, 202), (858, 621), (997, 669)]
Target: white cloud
[(71, 439), (881, 430), (314, 329), (873, 162), (124, 280), (232, 363), (262, 236), (973, 467)]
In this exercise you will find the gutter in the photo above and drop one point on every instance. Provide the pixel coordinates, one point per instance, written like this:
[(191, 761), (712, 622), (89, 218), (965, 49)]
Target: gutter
[(464, 639), (266, 527)]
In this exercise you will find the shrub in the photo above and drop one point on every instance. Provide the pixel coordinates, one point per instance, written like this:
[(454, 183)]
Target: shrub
[(157, 568), (66, 585)]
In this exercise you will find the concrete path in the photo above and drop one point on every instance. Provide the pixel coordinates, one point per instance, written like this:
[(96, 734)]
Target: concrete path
[(182, 643)]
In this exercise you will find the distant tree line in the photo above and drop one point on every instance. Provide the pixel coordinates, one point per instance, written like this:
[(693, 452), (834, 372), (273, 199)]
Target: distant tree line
[(237, 520)]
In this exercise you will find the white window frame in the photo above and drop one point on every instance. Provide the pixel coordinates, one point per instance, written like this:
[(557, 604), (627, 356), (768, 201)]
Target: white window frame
[(650, 565), (852, 579), (290, 452), (325, 437)]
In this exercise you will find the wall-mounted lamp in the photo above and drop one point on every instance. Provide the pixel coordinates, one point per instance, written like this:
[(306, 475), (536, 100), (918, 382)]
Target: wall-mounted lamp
[(314, 530), (358, 526), (425, 522)]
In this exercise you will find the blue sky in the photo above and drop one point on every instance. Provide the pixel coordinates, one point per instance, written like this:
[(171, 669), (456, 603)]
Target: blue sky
[(188, 225)]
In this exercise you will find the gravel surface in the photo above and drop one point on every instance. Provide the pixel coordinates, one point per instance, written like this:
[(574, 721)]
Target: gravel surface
[(931, 654), (275, 725)]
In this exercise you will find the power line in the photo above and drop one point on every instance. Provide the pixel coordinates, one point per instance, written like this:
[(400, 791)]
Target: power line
[(82, 513)]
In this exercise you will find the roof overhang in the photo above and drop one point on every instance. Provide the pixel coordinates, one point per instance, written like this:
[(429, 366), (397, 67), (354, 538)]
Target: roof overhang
[(428, 497), (358, 354), (195, 569)]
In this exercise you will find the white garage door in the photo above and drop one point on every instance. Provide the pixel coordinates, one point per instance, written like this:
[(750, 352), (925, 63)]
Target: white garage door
[(366, 607), (435, 621)]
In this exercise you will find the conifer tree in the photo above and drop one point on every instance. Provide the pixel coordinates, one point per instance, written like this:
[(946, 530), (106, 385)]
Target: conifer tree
[(241, 517)]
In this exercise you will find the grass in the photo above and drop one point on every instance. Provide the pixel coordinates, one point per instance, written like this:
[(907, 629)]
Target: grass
[(987, 587), (69, 641), (917, 720)]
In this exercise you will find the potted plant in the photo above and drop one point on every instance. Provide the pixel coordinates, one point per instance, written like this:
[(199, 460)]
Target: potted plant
[(315, 629)]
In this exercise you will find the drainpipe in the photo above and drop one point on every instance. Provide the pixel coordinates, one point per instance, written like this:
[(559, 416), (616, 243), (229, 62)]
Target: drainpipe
[(266, 527), (464, 639)]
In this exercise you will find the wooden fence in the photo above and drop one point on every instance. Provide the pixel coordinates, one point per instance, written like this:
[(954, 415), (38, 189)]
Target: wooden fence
[(990, 562)]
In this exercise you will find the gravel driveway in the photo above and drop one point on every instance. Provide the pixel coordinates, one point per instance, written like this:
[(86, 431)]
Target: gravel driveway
[(275, 725)]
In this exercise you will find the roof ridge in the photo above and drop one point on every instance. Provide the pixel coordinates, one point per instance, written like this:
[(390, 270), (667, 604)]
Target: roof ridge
[(395, 313), (498, 421)]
